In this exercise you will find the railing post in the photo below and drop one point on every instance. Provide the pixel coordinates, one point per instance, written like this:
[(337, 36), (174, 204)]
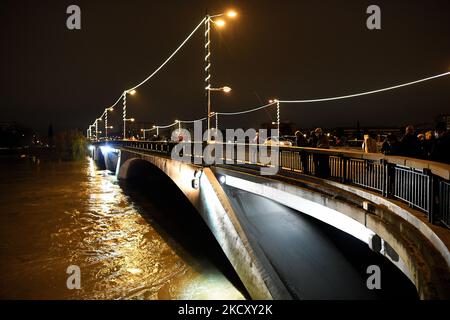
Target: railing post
[(389, 179), (385, 177), (431, 194), (204, 145), (344, 169)]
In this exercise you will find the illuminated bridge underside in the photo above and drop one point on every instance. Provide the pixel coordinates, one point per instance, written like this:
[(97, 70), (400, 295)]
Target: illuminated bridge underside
[(388, 228)]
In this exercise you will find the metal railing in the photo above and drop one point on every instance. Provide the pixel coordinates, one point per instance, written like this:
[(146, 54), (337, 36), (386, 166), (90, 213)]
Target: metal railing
[(415, 185), (444, 202)]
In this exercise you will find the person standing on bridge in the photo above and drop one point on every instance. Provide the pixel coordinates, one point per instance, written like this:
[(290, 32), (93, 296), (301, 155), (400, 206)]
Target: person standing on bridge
[(390, 145), (254, 151), (410, 144), (427, 144), (441, 147), (321, 160), (302, 142), (370, 144)]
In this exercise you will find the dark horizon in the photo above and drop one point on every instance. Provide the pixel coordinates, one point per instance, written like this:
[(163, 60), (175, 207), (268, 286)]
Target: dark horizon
[(287, 50)]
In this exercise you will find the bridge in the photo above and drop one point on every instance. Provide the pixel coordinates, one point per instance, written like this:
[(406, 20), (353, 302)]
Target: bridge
[(398, 206)]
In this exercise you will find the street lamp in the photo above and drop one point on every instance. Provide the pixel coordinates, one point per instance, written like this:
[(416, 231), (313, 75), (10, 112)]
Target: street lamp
[(145, 130), (157, 130), (215, 114), (90, 131), (124, 115), (96, 128), (106, 121), (179, 126), (224, 89), (277, 102), (219, 23)]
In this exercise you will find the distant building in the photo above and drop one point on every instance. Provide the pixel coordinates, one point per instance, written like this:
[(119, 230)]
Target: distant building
[(353, 133), (13, 135), (445, 118)]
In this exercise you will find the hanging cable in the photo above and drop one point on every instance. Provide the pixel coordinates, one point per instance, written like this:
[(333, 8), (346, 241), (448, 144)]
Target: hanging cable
[(169, 58), (366, 93), (117, 101), (168, 126), (192, 121), (246, 111), (163, 64)]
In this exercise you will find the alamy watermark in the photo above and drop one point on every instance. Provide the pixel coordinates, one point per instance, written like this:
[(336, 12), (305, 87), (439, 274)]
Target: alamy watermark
[(237, 147), (73, 21), (74, 279), (374, 280), (373, 22)]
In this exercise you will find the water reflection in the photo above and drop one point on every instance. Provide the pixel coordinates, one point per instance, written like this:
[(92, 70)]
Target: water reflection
[(74, 214)]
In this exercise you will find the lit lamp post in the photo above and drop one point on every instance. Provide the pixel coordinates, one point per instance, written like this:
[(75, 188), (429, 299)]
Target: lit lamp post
[(157, 130), (124, 123), (96, 128), (179, 127), (106, 121), (145, 130), (131, 92), (278, 115), (90, 131), (208, 89), (216, 115)]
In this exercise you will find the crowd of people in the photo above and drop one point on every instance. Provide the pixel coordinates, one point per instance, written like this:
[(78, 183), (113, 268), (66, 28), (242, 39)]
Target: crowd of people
[(431, 145), (434, 146)]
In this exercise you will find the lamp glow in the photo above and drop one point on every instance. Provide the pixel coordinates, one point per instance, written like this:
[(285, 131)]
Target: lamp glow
[(226, 89), (232, 14), (220, 23)]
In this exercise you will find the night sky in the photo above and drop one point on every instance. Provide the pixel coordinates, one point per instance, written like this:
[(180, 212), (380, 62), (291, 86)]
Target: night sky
[(282, 49)]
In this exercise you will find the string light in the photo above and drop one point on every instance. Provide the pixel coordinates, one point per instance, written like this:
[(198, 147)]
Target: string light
[(206, 21), (246, 111), (161, 66), (169, 58), (367, 92), (276, 102)]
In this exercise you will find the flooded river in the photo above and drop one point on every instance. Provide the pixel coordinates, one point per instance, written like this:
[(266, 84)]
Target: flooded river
[(129, 241)]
